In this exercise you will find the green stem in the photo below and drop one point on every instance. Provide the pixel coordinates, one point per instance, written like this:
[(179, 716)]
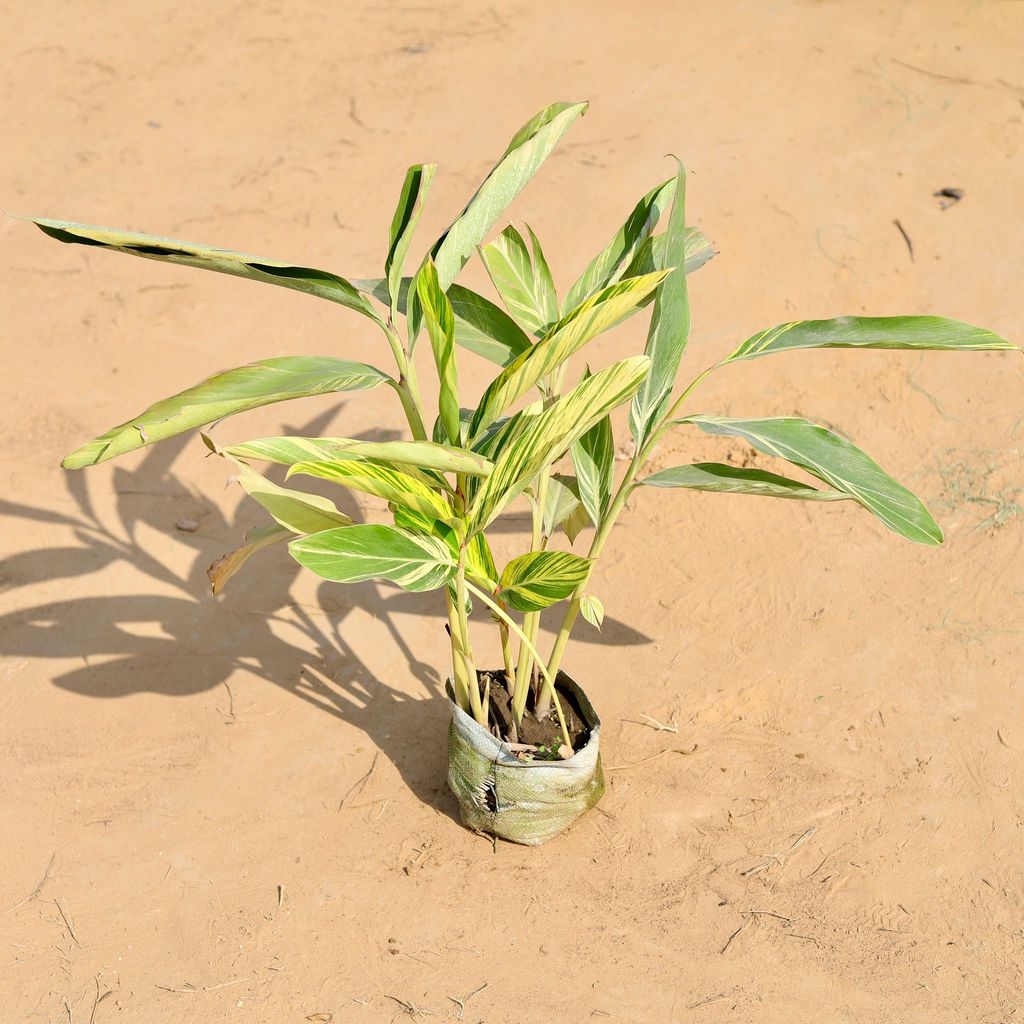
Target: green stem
[(531, 621), (459, 678), (610, 517), (479, 709), (548, 678)]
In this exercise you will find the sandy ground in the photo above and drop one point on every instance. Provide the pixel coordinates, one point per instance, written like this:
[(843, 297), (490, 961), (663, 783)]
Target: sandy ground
[(845, 844)]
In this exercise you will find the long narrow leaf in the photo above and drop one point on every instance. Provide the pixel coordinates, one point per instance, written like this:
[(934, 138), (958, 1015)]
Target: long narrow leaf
[(549, 433), (529, 148), (225, 394), (670, 323), (353, 554), (836, 461), (382, 480), (287, 451), (320, 283), (527, 293), (607, 265), (887, 332), (403, 224), (593, 457), (717, 476), (440, 321), (597, 314)]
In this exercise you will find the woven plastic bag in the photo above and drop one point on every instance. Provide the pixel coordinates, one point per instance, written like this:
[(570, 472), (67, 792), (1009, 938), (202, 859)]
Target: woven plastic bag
[(524, 802)]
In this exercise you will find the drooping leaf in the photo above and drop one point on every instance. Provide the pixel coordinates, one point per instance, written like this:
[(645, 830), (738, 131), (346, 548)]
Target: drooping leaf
[(527, 292), (320, 283), (371, 476), (593, 457), (592, 610), (352, 554), (525, 153), (887, 332), (224, 394), (440, 321), (296, 510), (255, 540), (836, 461), (607, 266), (481, 327), (670, 323), (403, 224), (537, 580), (551, 432), (597, 314), (429, 455), (717, 476)]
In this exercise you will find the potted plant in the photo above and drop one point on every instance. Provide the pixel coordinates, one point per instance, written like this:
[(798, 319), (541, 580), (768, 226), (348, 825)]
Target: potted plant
[(524, 739)]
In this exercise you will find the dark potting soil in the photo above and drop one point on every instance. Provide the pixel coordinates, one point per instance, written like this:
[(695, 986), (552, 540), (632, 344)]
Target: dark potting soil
[(544, 732)]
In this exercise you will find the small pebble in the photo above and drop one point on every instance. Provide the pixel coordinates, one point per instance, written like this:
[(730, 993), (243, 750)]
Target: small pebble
[(565, 751), (187, 525)]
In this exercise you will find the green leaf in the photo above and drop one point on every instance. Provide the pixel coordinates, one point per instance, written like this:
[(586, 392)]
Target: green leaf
[(889, 332), (600, 312), (225, 394), (606, 267), (560, 504), (382, 480), (288, 451), (320, 283), (440, 321), (547, 434), (528, 293), (481, 327), (651, 254), (592, 610), (353, 554), (537, 580), (716, 476), (548, 297), (670, 323), (593, 457), (295, 510), (528, 149), (255, 540), (403, 224), (836, 461)]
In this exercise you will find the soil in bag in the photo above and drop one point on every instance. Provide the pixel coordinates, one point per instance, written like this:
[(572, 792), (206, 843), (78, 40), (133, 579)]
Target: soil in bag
[(544, 733)]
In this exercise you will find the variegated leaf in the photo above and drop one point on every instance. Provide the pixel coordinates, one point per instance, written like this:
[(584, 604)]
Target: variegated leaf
[(839, 463), (717, 476), (551, 432), (440, 321), (526, 290), (403, 224), (592, 610), (597, 314), (296, 510), (224, 394), (886, 332), (320, 283), (353, 554), (427, 455), (371, 476), (537, 580)]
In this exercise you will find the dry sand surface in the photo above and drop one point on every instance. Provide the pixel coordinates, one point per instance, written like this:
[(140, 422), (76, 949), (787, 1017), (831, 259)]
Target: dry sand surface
[(188, 829)]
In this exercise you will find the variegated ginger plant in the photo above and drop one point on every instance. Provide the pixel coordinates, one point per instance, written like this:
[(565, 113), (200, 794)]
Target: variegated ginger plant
[(446, 487)]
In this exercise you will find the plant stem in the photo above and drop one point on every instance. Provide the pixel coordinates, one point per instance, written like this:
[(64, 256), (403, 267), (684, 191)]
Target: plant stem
[(473, 681), (531, 621), (459, 677), (548, 678), (506, 654), (610, 517)]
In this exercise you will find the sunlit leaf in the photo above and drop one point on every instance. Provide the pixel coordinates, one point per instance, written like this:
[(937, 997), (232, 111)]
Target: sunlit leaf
[(538, 579), (592, 610), (403, 224), (839, 463), (224, 394), (716, 476), (296, 510), (440, 322)]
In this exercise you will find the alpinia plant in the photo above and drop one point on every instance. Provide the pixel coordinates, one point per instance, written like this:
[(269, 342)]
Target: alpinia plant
[(446, 486)]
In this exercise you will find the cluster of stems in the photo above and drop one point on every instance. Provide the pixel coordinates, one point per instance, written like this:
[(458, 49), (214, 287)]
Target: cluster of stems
[(527, 672)]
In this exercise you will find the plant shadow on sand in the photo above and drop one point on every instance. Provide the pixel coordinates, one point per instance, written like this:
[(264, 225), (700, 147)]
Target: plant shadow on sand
[(187, 642)]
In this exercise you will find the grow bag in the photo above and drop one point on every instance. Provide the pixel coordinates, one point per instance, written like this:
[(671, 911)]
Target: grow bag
[(525, 802)]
